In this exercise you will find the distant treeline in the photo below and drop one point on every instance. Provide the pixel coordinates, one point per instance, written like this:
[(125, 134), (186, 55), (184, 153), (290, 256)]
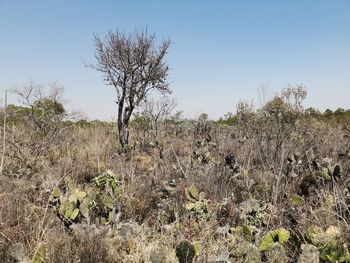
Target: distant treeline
[(50, 108), (339, 115)]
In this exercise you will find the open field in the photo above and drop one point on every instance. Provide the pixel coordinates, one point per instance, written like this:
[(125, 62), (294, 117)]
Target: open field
[(175, 131), (263, 185)]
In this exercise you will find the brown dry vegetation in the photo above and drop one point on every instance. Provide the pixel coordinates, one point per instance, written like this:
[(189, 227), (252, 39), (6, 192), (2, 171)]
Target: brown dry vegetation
[(275, 168)]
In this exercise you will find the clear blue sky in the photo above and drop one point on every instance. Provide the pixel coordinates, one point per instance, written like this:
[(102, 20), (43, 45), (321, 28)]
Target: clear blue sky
[(222, 51)]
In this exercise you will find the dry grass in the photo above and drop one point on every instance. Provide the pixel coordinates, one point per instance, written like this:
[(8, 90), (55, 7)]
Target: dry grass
[(153, 211)]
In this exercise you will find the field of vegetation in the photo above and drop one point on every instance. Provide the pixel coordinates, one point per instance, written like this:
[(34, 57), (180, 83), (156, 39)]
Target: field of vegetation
[(263, 184)]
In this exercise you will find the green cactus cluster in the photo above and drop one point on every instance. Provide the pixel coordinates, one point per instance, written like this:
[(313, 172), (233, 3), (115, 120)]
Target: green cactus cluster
[(329, 244), (242, 245), (196, 202), (331, 171), (273, 237), (238, 245), (320, 238), (324, 246), (335, 252), (244, 231), (253, 213), (98, 201), (243, 242), (72, 205), (106, 194), (203, 152), (107, 180)]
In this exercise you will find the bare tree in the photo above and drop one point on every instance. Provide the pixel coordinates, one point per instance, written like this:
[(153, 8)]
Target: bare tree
[(134, 65), (36, 128), (157, 111)]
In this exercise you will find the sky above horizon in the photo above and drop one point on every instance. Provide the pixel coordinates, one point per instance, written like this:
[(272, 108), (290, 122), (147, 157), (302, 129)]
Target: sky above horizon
[(222, 51)]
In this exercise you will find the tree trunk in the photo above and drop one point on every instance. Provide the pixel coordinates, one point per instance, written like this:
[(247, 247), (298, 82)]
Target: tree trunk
[(120, 134), (121, 128), (124, 116)]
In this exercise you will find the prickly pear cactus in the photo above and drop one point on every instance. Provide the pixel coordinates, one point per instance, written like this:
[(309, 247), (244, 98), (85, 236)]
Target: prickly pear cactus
[(252, 212), (192, 193), (244, 231), (71, 206), (196, 202), (185, 252), (298, 200), (329, 245), (278, 236), (238, 246), (329, 171), (107, 181), (240, 239), (320, 238), (106, 194), (335, 252), (326, 173), (99, 203)]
